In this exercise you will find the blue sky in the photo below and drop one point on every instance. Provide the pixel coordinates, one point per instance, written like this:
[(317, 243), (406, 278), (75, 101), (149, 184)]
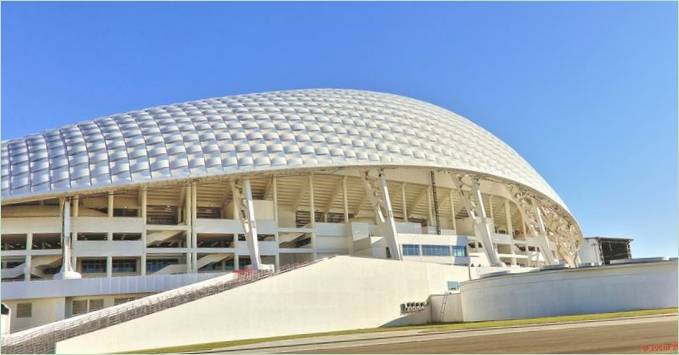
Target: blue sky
[(586, 92)]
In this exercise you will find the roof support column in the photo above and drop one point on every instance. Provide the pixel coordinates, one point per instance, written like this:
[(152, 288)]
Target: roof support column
[(404, 202), (452, 210), (67, 271), (483, 226), (542, 240), (379, 198), (510, 228), (244, 207), (531, 214)]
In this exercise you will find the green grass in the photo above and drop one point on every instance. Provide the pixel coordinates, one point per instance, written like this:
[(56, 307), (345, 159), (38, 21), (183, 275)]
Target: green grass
[(427, 328)]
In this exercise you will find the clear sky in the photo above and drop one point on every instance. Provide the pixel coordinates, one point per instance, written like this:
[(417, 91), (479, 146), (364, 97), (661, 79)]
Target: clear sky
[(586, 92)]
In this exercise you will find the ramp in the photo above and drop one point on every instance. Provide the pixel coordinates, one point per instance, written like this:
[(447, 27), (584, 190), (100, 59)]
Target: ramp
[(42, 340)]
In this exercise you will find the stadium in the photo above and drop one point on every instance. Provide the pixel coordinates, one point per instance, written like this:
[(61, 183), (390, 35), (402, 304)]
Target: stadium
[(101, 213)]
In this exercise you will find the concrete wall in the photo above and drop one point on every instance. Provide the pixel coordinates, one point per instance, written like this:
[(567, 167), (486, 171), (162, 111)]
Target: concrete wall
[(571, 291), (43, 311), (339, 293), (446, 308)]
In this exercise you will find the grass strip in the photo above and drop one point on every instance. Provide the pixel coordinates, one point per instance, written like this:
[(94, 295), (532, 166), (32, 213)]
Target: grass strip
[(429, 328)]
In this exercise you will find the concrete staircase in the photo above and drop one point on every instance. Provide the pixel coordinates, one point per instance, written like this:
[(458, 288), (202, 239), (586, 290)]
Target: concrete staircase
[(155, 237), (13, 272)]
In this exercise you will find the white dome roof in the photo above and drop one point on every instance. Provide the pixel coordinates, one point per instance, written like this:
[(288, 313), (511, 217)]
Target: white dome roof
[(256, 132)]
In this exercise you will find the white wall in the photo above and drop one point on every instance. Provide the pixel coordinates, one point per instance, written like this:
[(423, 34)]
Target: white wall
[(446, 308), (609, 288), (43, 311), (340, 293)]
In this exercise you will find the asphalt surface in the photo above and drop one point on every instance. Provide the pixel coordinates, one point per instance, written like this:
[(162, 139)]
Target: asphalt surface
[(627, 335)]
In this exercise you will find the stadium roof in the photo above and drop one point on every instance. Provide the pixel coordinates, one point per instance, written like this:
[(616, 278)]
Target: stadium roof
[(256, 132)]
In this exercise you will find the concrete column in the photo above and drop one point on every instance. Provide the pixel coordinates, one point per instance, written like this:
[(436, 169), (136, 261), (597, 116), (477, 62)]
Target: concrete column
[(404, 202), (67, 271), (236, 262), (251, 236), (430, 220), (510, 228), (483, 226), (110, 204), (312, 213), (194, 235), (27, 267), (345, 197), (142, 264), (76, 206), (143, 201), (452, 210), (542, 239), (389, 222), (275, 200), (109, 266), (508, 219)]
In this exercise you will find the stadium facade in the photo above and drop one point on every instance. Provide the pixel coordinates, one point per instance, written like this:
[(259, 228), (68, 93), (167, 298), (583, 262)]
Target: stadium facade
[(105, 211)]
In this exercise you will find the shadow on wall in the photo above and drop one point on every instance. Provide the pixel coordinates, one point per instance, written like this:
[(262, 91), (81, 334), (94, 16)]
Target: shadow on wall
[(420, 317)]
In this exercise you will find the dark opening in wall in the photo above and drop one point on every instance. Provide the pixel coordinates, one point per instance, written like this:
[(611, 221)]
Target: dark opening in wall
[(162, 215), (92, 236), (126, 236), (209, 212), (125, 212)]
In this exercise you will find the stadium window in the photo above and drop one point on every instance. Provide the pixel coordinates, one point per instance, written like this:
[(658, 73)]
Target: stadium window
[(411, 249), (459, 250), (92, 236), (126, 236), (435, 250), (125, 212), (93, 266), (124, 265), (24, 310), (453, 285), (96, 305), (79, 307), (153, 265)]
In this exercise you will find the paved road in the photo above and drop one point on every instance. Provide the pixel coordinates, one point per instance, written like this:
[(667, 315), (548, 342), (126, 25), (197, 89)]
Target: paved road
[(610, 336)]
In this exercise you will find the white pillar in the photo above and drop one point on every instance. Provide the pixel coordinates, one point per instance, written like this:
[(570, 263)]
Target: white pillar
[(542, 239), (508, 219), (76, 206), (110, 204), (404, 202), (430, 215), (67, 271), (345, 197), (142, 262), (143, 202), (510, 228), (193, 208), (312, 213), (483, 227), (389, 222), (452, 210), (109, 266), (251, 236), (275, 199)]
